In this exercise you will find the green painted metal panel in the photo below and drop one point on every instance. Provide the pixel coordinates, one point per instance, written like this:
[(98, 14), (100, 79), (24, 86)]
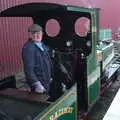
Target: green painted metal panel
[(93, 83), (94, 92), (81, 9), (65, 108), (91, 59)]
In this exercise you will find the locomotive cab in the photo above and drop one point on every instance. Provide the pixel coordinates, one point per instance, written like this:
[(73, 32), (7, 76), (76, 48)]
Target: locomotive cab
[(72, 46)]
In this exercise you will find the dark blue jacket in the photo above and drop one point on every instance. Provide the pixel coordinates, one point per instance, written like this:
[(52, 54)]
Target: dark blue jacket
[(37, 64)]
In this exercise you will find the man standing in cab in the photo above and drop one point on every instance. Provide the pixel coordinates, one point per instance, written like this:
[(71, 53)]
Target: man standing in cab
[(36, 61)]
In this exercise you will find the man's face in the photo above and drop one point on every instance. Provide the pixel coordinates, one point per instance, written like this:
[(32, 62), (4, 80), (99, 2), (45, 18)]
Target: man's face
[(37, 36)]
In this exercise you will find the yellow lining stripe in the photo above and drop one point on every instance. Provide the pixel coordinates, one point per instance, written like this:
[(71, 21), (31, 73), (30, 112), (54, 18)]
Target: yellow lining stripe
[(55, 105)]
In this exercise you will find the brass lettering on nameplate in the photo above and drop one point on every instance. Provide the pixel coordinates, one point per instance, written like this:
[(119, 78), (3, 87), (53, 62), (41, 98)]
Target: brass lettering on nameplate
[(61, 112)]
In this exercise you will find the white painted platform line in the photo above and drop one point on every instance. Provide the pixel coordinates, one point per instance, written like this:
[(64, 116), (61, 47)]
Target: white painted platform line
[(113, 112)]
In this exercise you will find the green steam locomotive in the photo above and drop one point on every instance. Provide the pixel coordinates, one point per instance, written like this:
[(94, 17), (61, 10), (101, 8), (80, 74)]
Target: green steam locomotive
[(83, 65)]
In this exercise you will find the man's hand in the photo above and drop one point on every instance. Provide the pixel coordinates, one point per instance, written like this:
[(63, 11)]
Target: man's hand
[(39, 88)]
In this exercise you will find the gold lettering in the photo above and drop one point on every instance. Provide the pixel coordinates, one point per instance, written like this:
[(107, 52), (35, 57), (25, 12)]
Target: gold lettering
[(51, 117), (61, 112)]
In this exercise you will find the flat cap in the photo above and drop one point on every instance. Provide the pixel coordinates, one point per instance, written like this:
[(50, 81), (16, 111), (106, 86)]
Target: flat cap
[(34, 28)]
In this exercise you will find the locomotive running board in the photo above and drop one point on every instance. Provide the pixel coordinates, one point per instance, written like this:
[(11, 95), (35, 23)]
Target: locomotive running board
[(24, 95)]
